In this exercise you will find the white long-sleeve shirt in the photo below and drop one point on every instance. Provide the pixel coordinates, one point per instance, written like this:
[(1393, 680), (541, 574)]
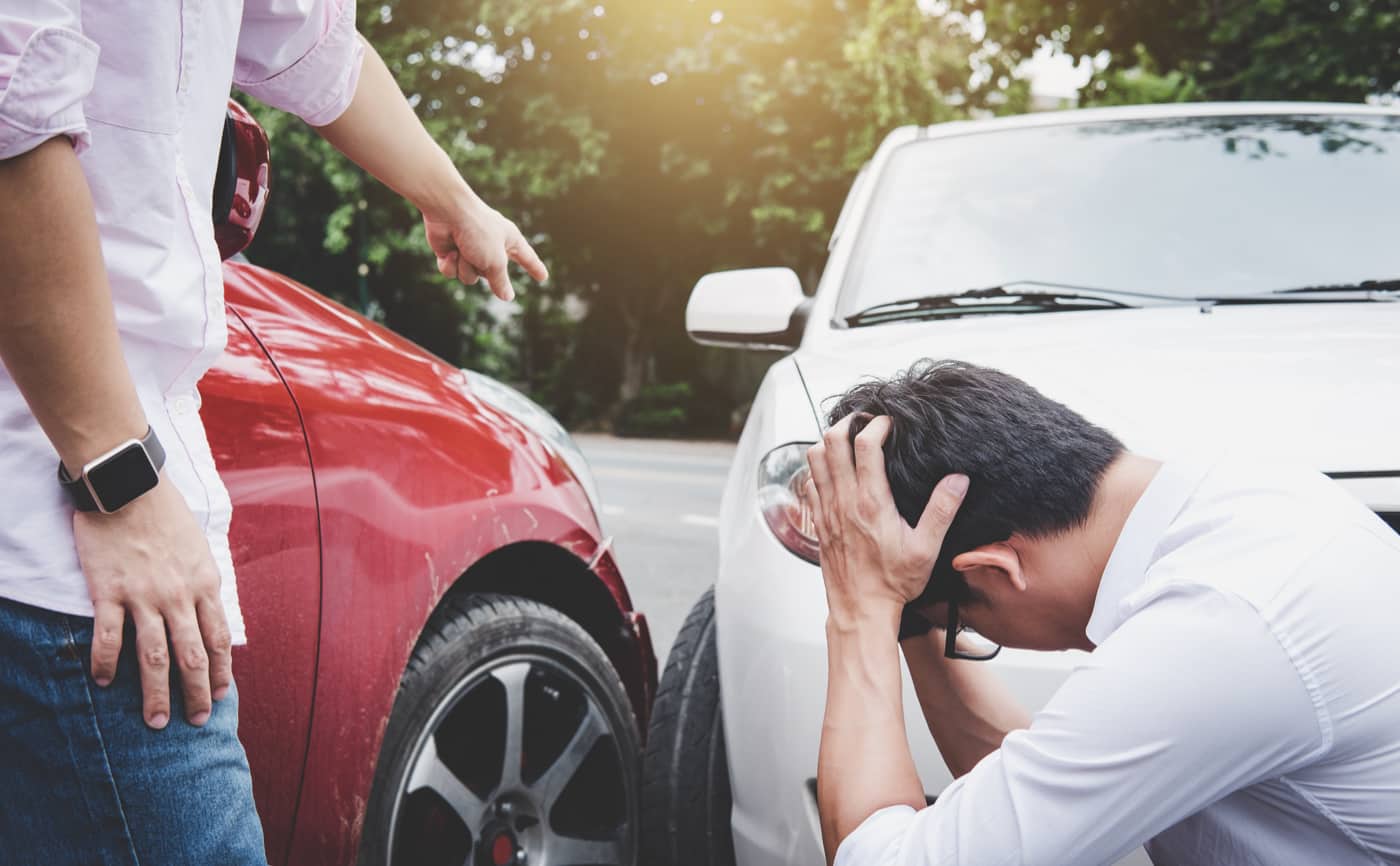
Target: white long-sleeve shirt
[(1242, 705), (141, 90)]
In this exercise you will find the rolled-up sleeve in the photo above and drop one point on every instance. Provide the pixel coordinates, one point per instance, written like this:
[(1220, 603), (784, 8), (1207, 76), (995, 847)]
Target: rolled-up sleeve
[(302, 56), (1155, 726), (47, 67)]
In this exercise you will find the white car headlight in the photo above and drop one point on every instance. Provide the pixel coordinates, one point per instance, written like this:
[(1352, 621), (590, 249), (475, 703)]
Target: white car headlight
[(543, 424), (782, 474)]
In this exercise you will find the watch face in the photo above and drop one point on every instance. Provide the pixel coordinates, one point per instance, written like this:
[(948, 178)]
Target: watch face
[(122, 477)]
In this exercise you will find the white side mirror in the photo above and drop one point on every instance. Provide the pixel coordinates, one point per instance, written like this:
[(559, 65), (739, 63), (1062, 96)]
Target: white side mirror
[(752, 308)]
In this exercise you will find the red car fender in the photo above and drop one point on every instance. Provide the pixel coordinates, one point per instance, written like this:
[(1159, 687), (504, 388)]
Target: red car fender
[(417, 483)]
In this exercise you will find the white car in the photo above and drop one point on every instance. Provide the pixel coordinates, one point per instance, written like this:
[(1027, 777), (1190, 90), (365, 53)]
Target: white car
[(1220, 276)]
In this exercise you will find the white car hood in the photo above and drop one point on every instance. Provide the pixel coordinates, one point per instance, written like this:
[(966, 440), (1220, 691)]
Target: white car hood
[(1319, 383)]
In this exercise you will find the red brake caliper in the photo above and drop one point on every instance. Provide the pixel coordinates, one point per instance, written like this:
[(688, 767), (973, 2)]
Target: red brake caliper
[(503, 850)]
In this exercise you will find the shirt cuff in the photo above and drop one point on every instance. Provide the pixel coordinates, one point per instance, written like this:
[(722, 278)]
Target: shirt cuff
[(877, 840), (318, 87), (44, 96)]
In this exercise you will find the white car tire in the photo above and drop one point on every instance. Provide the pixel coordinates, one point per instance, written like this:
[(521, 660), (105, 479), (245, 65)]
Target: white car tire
[(685, 777)]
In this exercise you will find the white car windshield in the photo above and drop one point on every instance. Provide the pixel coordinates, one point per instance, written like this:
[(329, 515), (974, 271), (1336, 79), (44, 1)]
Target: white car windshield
[(1179, 207)]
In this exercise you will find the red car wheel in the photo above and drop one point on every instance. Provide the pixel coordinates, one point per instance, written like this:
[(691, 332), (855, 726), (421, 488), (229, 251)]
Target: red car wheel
[(512, 742)]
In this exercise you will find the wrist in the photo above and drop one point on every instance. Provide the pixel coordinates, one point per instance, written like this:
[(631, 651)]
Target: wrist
[(863, 682), (444, 194), (80, 448), (872, 618), (117, 478)]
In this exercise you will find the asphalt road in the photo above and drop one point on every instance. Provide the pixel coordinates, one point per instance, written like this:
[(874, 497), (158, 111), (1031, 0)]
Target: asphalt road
[(661, 505)]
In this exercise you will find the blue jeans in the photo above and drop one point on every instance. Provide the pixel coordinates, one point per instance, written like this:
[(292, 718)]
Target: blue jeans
[(83, 781)]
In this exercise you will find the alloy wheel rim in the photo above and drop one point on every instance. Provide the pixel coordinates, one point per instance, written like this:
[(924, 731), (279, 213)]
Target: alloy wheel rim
[(541, 781)]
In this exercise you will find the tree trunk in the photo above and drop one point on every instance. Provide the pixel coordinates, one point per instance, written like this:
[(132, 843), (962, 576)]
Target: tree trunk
[(634, 363)]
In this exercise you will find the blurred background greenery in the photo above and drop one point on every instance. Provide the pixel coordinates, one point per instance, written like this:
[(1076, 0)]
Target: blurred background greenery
[(643, 143)]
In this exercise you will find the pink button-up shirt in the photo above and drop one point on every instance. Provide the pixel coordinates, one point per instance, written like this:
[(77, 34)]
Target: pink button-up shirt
[(141, 92)]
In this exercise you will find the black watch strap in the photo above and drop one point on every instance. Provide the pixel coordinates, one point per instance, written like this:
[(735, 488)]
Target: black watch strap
[(78, 490)]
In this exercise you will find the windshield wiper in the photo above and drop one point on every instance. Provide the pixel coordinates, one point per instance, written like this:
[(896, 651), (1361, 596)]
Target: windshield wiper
[(1384, 286), (997, 299), (1362, 290), (1047, 297)]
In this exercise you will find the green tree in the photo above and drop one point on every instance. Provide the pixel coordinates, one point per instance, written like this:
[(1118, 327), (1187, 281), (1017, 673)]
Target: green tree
[(1344, 50), (734, 134), (328, 220), (640, 143)]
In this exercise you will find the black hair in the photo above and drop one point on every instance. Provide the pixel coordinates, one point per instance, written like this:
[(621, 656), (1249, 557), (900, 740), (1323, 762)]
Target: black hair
[(1034, 464)]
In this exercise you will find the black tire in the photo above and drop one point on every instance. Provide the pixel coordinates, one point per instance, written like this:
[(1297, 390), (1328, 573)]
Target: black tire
[(444, 789), (685, 776)]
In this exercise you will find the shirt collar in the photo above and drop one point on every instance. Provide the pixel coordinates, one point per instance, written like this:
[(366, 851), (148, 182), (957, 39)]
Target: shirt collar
[(1160, 503)]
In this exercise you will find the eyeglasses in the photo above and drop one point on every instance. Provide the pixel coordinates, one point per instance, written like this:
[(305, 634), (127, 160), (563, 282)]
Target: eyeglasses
[(974, 647)]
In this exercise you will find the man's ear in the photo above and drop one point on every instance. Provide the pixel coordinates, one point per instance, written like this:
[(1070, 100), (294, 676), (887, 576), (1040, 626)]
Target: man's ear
[(999, 556)]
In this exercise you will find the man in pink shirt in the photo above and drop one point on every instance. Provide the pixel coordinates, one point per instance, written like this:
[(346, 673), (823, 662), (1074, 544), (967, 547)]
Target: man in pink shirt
[(111, 309)]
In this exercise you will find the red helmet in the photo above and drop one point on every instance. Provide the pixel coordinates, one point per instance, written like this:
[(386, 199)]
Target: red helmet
[(240, 181)]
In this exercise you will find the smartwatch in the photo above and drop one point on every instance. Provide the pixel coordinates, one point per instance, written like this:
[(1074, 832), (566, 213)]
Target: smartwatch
[(118, 477)]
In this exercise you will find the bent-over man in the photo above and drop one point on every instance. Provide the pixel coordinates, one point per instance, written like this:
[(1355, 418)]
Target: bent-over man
[(1241, 702)]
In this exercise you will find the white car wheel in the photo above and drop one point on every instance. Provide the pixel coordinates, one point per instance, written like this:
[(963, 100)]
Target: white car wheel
[(685, 778)]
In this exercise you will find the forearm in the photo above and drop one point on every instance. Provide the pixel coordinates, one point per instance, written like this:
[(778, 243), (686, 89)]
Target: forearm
[(58, 333), (864, 763), (381, 134), (968, 710)]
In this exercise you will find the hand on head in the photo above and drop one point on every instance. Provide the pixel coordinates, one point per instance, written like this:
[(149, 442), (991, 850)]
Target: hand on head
[(873, 562)]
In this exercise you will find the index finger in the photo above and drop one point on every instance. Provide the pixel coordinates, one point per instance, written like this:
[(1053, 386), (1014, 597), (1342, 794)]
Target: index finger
[(870, 457), (942, 507), (524, 255)]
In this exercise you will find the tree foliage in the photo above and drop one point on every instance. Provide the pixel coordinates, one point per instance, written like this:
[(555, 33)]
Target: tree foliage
[(641, 143), (1342, 50)]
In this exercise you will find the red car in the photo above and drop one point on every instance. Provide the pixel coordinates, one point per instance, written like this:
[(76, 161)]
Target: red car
[(443, 663)]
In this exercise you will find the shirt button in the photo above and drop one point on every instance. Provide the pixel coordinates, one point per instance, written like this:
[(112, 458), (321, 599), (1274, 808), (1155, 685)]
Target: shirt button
[(183, 405)]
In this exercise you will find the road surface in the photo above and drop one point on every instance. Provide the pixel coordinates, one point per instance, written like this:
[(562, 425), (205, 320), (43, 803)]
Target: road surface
[(661, 505)]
